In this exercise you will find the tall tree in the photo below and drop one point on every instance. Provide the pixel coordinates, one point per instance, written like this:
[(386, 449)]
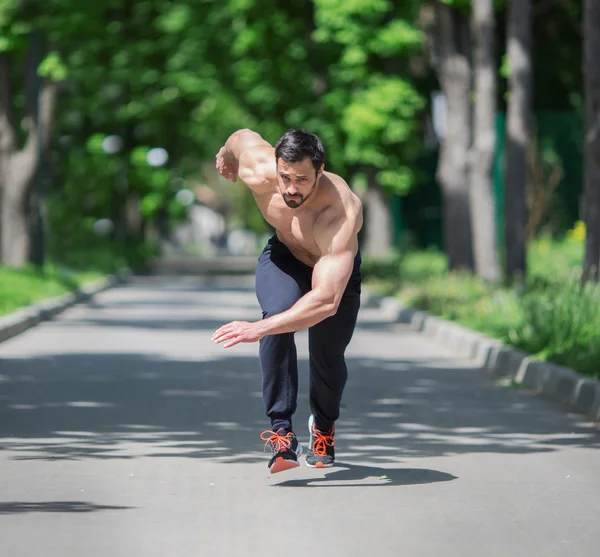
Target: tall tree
[(19, 159), (591, 25), (518, 132), (451, 42), (483, 214)]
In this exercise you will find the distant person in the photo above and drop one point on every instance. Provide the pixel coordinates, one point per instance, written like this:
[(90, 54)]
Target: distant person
[(308, 277)]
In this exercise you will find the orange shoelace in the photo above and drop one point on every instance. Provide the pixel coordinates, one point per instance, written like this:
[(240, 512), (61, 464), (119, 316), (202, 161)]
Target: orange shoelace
[(280, 442), (321, 441)]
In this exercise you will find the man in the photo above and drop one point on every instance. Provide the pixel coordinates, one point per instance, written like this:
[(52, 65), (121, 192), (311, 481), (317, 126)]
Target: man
[(308, 277)]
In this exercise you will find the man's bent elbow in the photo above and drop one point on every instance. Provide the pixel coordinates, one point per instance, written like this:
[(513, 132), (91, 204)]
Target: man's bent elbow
[(330, 307)]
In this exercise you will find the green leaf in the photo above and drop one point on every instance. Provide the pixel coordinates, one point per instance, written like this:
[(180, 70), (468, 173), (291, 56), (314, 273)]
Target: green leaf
[(6, 44), (175, 20), (505, 66), (150, 204), (94, 144), (398, 37), (399, 180), (53, 67)]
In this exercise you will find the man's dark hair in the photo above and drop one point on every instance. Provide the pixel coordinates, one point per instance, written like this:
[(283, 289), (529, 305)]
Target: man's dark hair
[(296, 145)]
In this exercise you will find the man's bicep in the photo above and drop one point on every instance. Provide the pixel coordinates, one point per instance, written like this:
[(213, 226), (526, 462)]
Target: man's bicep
[(331, 274)]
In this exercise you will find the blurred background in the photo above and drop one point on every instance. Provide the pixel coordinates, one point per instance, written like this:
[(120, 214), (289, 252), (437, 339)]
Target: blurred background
[(460, 123)]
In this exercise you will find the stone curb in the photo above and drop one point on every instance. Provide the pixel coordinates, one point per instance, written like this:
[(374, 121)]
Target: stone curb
[(23, 319), (574, 391)]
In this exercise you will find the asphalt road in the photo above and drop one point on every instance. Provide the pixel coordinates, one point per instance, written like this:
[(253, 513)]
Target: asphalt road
[(125, 432)]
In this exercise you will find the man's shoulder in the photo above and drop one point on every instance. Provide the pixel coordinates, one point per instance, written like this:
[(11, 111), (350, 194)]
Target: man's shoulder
[(341, 218), (344, 204)]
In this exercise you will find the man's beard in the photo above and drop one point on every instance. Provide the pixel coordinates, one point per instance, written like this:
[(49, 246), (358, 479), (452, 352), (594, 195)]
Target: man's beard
[(296, 202)]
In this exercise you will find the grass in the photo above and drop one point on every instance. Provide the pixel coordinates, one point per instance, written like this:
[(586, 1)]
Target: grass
[(25, 286), (550, 316), (22, 287)]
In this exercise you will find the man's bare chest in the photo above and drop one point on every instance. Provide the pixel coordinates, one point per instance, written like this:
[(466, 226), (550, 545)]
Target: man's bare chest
[(294, 227)]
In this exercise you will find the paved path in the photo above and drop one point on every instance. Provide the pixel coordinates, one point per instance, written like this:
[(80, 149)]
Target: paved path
[(125, 432)]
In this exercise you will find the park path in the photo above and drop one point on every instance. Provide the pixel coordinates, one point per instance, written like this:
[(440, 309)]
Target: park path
[(125, 432)]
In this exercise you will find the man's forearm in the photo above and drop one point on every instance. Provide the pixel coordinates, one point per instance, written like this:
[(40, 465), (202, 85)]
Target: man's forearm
[(309, 310)]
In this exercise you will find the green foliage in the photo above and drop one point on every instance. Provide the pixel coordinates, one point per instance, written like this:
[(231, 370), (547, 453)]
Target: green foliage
[(371, 91), (405, 266), (387, 268), (550, 258), (421, 265), (183, 75), (53, 67), (552, 318), (22, 287), (468, 300), (561, 323)]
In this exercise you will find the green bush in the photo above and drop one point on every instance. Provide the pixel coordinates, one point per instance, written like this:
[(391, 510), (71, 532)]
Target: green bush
[(467, 300), (106, 257), (419, 265), (381, 268), (561, 323), (404, 266), (549, 258), (551, 317)]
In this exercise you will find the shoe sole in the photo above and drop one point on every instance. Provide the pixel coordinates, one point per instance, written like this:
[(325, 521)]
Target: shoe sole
[(320, 465), (281, 465)]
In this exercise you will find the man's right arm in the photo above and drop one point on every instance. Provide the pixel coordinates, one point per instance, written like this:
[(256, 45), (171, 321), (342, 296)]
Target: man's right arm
[(247, 155)]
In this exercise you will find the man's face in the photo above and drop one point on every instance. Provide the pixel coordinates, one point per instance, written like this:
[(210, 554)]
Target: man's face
[(297, 181)]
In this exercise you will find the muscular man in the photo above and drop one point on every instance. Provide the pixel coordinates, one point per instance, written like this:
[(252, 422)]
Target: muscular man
[(308, 277)]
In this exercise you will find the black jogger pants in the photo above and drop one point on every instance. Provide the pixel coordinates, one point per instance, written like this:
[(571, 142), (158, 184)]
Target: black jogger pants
[(281, 280)]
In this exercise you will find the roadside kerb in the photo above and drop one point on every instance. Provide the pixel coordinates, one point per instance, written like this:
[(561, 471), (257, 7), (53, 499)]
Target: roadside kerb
[(573, 390), (23, 319)]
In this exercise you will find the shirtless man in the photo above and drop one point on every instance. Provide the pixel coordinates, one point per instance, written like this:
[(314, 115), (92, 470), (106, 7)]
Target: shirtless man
[(308, 277)]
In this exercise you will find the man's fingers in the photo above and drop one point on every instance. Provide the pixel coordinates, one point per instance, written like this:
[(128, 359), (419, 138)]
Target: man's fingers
[(233, 342), (221, 334), (221, 330), (226, 336), (219, 337)]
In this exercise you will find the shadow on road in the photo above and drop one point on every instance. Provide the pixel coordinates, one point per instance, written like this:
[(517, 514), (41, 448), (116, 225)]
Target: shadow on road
[(123, 406), (20, 507), (346, 474)]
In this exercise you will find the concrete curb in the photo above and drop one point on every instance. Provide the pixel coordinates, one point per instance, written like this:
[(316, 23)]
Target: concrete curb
[(572, 390), (23, 319)]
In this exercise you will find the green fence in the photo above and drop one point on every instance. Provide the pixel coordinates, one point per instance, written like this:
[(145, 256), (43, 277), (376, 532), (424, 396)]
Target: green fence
[(419, 214)]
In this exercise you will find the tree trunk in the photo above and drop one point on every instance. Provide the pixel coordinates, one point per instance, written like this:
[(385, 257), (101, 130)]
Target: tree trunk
[(7, 130), (518, 133), (18, 166), (377, 223), (454, 70), (16, 242), (591, 16), (483, 214)]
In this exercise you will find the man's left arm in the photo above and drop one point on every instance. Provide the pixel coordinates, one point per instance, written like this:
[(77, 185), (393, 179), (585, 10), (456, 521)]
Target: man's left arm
[(338, 243), (329, 279)]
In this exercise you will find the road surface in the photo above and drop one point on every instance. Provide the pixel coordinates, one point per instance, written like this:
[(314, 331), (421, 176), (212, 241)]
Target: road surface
[(125, 432)]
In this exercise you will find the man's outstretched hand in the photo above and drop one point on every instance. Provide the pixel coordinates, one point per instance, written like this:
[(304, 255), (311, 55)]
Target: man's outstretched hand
[(227, 165), (236, 332)]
